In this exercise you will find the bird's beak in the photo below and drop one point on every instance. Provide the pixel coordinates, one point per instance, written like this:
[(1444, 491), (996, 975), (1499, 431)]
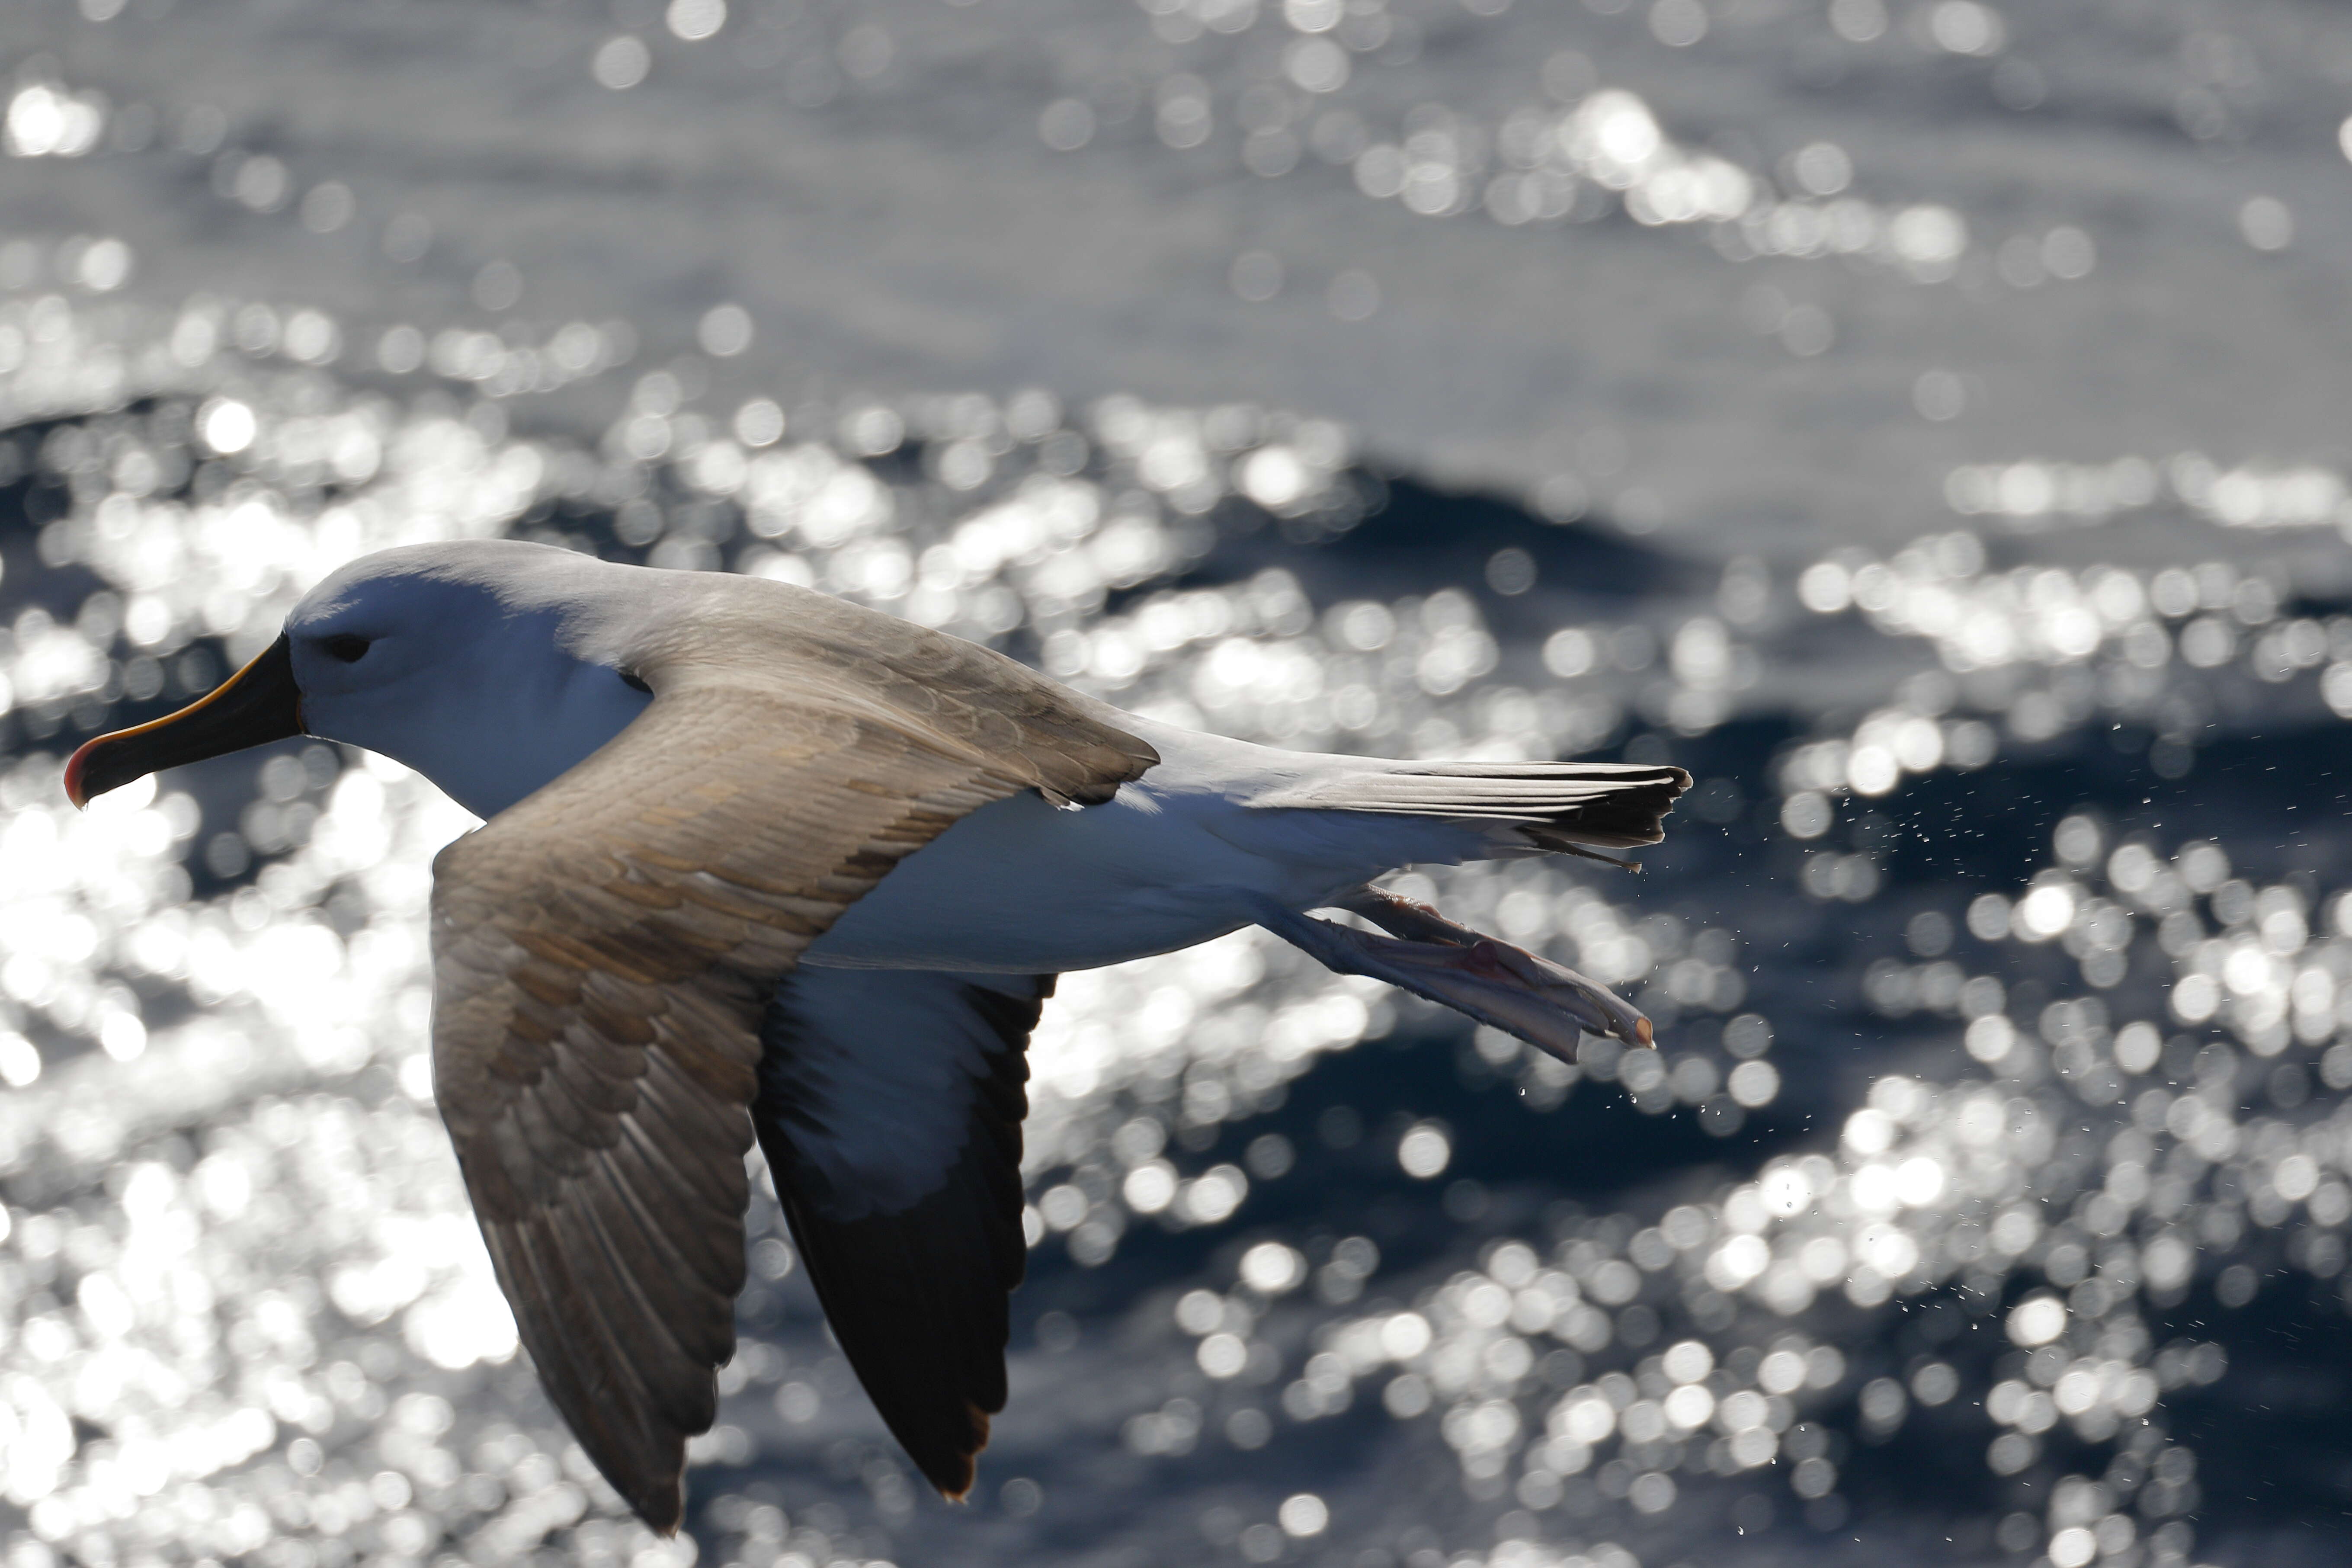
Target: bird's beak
[(257, 704)]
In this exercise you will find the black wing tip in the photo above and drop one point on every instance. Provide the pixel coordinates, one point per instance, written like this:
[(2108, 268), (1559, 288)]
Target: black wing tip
[(659, 1500), (951, 1471)]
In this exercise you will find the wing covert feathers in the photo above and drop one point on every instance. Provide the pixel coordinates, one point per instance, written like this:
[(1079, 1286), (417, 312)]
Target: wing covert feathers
[(602, 953), (826, 654)]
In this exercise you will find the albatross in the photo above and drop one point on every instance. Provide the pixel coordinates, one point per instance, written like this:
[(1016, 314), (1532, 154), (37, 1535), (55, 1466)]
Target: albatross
[(758, 864)]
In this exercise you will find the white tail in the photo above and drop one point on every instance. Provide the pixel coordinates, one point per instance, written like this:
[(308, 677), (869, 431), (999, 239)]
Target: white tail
[(1555, 805)]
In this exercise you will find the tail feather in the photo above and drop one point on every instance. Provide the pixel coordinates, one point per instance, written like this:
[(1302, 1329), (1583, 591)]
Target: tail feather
[(1552, 805)]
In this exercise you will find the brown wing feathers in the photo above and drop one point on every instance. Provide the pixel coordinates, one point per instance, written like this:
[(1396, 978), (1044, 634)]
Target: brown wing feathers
[(602, 953)]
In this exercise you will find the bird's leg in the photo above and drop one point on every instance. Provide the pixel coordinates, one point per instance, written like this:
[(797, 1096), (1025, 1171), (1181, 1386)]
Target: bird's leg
[(1601, 1010), (1508, 987), (1405, 918)]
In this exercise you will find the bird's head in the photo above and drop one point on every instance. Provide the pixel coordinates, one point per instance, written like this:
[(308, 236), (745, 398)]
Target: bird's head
[(485, 666)]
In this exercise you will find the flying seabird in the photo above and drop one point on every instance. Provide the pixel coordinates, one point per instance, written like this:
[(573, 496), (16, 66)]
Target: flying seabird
[(760, 863)]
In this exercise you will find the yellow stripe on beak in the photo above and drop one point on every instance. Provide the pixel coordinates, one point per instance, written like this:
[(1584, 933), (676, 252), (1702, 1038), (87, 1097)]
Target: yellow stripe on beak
[(259, 704)]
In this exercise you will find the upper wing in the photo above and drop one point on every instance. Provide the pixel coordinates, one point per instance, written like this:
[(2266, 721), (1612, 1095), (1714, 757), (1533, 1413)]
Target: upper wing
[(890, 1107), (602, 952)]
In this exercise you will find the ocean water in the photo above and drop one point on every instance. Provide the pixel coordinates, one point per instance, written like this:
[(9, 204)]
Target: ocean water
[(1921, 422)]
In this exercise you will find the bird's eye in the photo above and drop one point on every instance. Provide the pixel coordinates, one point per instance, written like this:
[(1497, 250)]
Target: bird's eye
[(350, 649)]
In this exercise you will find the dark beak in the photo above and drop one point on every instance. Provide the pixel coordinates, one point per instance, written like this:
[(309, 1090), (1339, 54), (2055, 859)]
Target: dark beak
[(259, 704)]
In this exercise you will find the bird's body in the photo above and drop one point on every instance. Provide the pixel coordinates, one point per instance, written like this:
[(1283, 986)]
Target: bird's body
[(1176, 858), (760, 861)]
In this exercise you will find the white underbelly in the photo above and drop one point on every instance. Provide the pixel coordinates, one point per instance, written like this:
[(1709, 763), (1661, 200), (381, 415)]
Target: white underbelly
[(1019, 886)]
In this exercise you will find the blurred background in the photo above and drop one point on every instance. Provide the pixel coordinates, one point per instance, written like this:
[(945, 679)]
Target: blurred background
[(1922, 419)]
